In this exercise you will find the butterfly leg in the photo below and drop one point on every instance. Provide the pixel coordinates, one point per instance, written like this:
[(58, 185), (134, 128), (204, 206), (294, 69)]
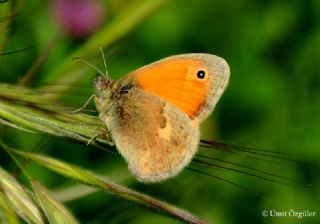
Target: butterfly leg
[(84, 105), (106, 134)]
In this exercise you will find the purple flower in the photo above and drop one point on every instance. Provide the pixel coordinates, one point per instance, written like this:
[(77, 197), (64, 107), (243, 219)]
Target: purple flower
[(78, 18)]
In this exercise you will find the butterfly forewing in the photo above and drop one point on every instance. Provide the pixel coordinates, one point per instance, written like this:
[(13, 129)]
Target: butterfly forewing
[(191, 82)]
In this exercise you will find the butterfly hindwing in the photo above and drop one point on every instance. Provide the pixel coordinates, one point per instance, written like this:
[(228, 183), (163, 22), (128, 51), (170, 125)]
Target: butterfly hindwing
[(155, 138)]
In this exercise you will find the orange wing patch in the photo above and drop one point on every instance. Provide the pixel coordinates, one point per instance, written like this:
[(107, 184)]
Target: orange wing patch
[(176, 81)]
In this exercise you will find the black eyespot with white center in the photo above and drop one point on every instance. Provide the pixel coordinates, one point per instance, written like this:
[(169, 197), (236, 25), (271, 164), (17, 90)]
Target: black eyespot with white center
[(201, 74)]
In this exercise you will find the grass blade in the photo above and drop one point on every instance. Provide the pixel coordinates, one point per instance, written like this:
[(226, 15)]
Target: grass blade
[(100, 182), (54, 210), (19, 199), (7, 213), (35, 119)]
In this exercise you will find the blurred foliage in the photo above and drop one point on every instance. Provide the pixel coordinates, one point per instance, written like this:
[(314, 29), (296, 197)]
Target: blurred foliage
[(272, 102)]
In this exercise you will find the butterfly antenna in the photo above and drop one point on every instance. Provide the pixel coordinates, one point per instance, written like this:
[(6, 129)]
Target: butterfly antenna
[(104, 62), (90, 65)]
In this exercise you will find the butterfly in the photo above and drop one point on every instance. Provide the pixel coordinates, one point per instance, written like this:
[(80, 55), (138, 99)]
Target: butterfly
[(153, 113)]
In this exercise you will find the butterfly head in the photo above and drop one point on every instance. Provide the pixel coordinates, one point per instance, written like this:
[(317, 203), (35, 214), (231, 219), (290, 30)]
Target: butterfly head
[(100, 83)]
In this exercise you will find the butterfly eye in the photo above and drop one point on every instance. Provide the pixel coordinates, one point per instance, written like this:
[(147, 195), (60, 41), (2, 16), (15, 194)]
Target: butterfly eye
[(201, 74), (100, 83)]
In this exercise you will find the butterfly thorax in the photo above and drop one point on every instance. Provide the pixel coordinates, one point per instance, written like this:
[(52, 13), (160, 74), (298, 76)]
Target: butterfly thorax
[(109, 93)]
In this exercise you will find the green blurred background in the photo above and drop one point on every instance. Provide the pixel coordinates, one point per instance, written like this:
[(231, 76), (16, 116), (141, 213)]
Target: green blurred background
[(272, 102)]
